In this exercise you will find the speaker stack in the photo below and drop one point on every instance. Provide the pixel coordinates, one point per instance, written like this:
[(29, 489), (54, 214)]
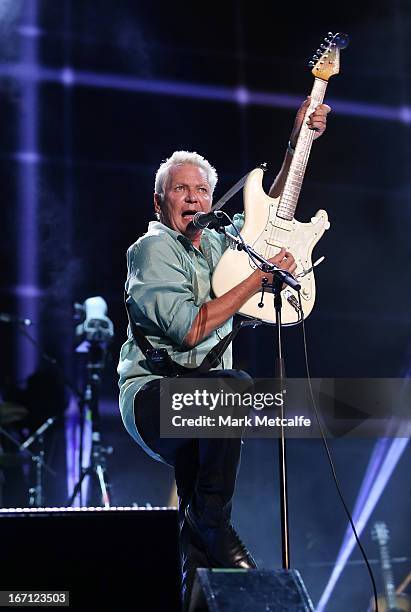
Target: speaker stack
[(127, 559), (249, 591), (116, 558)]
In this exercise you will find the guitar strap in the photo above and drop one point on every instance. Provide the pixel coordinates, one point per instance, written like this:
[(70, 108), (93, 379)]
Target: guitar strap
[(234, 189), (160, 362)]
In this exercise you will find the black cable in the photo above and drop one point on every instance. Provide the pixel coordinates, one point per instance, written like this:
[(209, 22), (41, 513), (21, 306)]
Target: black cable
[(317, 416), (324, 440)]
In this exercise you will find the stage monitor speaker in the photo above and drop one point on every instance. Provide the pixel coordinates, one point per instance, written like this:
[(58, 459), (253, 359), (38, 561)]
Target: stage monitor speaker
[(249, 591), (112, 559)]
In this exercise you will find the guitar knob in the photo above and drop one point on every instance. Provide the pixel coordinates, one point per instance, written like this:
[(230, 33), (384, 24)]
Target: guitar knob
[(260, 304)]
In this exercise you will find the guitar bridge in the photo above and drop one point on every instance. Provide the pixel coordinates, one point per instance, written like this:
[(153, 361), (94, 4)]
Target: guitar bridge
[(278, 243)]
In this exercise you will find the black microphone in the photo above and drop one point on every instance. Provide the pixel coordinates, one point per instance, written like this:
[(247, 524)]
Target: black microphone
[(5, 317), (202, 220)]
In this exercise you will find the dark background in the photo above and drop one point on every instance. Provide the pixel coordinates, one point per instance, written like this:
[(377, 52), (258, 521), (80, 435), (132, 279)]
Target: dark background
[(93, 96)]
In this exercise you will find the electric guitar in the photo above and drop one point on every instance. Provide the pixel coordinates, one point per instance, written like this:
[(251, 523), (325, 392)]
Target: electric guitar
[(391, 601), (269, 222)]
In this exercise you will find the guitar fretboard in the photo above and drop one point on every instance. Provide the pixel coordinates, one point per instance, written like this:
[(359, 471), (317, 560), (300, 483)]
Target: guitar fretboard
[(293, 184), (387, 576)]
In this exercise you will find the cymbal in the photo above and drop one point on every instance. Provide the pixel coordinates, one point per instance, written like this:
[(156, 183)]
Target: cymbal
[(10, 413)]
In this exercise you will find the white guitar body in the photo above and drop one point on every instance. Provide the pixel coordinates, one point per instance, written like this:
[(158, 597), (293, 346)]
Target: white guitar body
[(267, 234), (270, 224)]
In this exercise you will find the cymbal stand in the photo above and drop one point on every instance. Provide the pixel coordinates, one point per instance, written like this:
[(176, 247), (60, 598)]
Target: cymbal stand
[(36, 497)]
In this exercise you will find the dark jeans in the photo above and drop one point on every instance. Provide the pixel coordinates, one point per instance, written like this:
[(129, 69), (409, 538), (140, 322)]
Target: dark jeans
[(205, 473), (204, 467)]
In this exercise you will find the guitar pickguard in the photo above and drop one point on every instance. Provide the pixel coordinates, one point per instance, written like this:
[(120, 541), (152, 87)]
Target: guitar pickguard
[(267, 234)]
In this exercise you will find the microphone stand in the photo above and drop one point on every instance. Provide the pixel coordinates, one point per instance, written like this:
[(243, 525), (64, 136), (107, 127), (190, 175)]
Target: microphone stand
[(36, 493), (96, 469), (282, 455), (36, 497), (279, 277)]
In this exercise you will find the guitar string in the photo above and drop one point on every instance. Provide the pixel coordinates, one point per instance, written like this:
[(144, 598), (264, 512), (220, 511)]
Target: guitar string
[(273, 237), (274, 233), (317, 97)]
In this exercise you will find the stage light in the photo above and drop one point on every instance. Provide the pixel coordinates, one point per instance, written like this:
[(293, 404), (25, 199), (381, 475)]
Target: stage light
[(9, 12), (215, 93), (386, 454)]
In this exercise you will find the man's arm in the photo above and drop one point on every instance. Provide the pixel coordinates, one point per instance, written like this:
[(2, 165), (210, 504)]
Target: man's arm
[(317, 121), (214, 313)]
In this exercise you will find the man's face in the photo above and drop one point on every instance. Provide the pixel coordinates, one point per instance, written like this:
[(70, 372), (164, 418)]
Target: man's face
[(186, 192)]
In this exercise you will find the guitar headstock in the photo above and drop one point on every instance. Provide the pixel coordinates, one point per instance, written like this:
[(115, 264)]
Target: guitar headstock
[(380, 533), (326, 60)]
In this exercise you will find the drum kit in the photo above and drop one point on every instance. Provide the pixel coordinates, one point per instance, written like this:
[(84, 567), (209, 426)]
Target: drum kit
[(94, 334), (17, 454), (11, 413)]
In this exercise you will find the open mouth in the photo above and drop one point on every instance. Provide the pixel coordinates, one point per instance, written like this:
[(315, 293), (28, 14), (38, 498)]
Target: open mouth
[(189, 214)]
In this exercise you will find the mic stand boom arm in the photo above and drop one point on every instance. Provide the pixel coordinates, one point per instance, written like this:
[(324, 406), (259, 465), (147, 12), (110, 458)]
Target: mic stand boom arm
[(266, 266)]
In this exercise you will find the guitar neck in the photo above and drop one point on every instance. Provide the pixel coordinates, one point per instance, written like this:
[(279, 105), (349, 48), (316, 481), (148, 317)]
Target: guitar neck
[(388, 577), (289, 197)]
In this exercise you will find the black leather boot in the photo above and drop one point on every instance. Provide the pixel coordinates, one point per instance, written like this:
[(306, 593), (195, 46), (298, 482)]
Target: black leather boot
[(221, 543), (193, 556)]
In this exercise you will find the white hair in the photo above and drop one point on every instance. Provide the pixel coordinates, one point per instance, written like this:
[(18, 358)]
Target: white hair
[(184, 157)]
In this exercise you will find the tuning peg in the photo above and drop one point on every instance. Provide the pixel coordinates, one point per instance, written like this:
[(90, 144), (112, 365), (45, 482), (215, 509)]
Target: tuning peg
[(330, 34), (319, 51), (311, 63), (341, 40), (315, 57)]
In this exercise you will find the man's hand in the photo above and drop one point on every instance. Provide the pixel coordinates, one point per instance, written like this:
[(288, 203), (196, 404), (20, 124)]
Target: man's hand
[(214, 313), (283, 260), (317, 120)]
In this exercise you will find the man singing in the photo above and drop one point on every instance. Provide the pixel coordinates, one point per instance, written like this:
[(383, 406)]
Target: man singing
[(170, 300)]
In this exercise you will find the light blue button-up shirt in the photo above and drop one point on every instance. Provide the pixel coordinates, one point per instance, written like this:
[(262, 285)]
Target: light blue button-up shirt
[(168, 280)]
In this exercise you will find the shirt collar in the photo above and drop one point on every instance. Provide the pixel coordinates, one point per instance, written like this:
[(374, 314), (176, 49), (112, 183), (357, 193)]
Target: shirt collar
[(156, 225)]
